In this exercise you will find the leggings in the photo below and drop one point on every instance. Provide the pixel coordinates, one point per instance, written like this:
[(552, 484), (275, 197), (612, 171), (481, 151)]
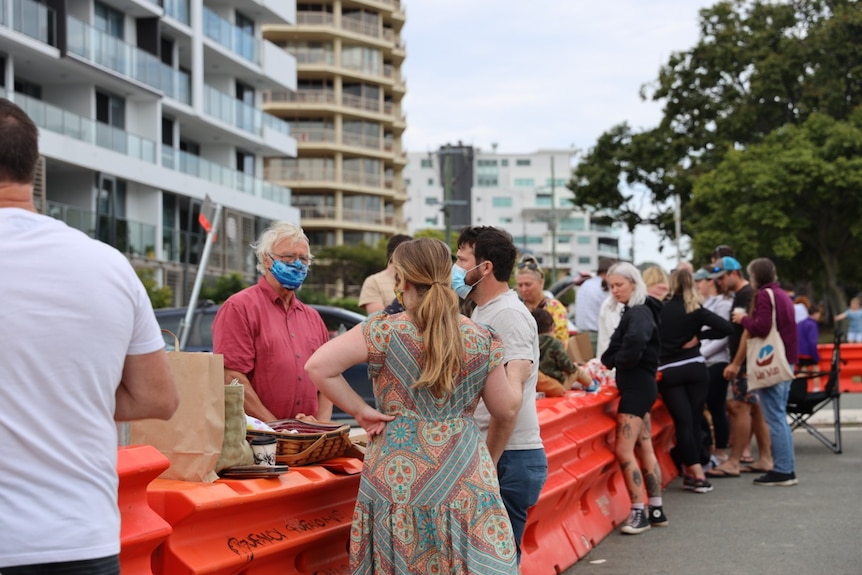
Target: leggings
[(104, 566), (716, 402), (683, 390)]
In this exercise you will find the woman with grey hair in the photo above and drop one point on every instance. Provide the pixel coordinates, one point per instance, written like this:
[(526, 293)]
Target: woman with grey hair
[(634, 352)]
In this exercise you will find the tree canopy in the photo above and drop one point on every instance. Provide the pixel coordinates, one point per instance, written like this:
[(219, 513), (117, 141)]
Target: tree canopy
[(757, 130)]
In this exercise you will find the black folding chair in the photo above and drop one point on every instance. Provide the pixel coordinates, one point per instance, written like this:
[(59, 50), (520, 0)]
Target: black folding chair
[(802, 404)]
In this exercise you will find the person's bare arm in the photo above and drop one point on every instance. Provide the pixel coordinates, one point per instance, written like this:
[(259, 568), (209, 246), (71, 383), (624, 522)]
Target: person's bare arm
[(499, 430), (147, 389), (252, 404), (734, 366), (372, 307)]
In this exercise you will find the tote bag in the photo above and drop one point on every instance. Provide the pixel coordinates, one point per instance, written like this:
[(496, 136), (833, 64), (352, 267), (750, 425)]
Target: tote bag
[(766, 360)]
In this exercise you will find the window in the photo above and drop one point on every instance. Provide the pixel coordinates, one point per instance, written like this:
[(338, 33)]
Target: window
[(573, 224), (431, 221), (245, 162), (558, 182), (505, 220), (432, 201), (27, 88), (427, 163), (584, 240), (486, 163), (564, 239), (504, 162), (362, 59), (584, 260), (500, 202), (110, 110), (543, 201), (406, 181), (486, 181), (522, 162), (430, 181), (524, 182), (108, 20), (564, 259)]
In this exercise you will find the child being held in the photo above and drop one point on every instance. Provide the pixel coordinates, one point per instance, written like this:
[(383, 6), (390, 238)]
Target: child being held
[(554, 362)]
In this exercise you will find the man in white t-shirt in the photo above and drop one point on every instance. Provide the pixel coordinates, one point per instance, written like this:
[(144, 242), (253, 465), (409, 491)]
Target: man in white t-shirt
[(487, 255), (80, 349), (588, 301)]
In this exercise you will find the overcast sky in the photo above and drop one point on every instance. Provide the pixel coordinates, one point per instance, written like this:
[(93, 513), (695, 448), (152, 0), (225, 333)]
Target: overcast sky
[(538, 74)]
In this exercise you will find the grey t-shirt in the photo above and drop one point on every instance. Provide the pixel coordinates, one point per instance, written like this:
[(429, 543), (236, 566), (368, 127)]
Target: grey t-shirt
[(510, 318)]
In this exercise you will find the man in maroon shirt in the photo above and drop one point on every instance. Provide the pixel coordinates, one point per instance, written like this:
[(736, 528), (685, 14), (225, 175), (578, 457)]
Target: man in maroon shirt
[(266, 334)]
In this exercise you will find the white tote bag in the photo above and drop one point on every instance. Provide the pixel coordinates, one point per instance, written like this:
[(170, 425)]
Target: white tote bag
[(766, 360)]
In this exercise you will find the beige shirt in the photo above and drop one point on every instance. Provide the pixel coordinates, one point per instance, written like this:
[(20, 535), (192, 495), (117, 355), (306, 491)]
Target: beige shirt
[(379, 288)]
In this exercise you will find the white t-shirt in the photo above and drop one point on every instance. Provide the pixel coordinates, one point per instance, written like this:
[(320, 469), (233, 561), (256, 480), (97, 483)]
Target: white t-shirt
[(72, 309), (511, 319), (587, 303)]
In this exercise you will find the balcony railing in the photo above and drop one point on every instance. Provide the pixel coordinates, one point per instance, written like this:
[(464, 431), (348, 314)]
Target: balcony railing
[(237, 113), (314, 19), (302, 96), (318, 212), (362, 216), (360, 140), (128, 236), (361, 178), (308, 56), (314, 135), (360, 103), (60, 121), (359, 27), (311, 170), (178, 9), (230, 36), (110, 52), (30, 18), (223, 176)]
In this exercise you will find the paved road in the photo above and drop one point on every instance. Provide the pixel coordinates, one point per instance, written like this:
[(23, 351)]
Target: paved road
[(809, 529)]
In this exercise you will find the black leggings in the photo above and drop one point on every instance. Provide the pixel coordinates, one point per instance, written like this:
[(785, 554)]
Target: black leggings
[(683, 390), (716, 402)]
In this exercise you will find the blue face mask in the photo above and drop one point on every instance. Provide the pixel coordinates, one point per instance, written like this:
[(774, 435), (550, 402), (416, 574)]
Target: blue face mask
[(459, 283), (289, 276)]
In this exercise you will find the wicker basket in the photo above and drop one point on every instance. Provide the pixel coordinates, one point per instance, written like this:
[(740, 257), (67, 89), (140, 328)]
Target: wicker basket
[(305, 442)]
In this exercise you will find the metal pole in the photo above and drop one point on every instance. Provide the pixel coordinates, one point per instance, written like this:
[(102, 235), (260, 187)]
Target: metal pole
[(447, 194), (677, 222), (553, 223), (185, 326)]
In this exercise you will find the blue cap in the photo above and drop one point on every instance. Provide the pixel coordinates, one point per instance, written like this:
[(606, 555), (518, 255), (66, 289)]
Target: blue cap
[(725, 264), (701, 274)]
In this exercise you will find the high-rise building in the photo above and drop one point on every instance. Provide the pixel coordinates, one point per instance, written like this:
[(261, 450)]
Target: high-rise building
[(347, 119), (524, 194), (144, 108)]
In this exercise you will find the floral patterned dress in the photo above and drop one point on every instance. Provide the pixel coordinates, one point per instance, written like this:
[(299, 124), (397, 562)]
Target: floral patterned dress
[(429, 500)]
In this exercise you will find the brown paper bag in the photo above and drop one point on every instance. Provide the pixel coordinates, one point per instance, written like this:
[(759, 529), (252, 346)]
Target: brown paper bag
[(192, 438), (579, 349), (235, 450)]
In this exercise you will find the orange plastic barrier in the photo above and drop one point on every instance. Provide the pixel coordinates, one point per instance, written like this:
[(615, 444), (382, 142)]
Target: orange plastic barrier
[(142, 529), (297, 523), (851, 365), (585, 497)]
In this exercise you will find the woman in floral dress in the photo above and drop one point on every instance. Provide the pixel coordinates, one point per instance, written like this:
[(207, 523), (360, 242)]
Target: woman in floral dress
[(429, 499)]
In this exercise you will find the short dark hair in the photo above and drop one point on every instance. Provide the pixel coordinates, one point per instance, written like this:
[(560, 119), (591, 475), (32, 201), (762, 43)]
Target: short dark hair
[(544, 320), (722, 251), (19, 144), (394, 242), (493, 245)]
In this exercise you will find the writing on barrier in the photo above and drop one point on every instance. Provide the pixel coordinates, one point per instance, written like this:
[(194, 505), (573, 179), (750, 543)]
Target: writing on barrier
[(246, 545)]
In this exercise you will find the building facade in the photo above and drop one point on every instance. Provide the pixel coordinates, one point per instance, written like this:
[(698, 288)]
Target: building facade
[(145, 107), (525, 194), (347, 119)]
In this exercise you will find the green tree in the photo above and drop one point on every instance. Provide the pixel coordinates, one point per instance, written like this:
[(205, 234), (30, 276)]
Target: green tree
[(224, 287), (160, 296), (795, 197)]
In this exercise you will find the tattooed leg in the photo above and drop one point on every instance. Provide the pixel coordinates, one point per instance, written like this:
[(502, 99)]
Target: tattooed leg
[(649, 463), (629, 429)]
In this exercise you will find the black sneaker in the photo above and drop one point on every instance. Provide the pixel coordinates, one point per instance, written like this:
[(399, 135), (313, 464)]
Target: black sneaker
[(701, 485), (657, 518), (636, 523), (688, 482), (777, 479)]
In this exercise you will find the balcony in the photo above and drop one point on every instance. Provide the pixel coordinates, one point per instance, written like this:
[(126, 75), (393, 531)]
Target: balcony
[(360, 103), (361, 178), (241, 115), (314, 19), (127, 60), (361, 141), (303, 170), (300, 97), (128, 236), (31, 19), (178, 10), (223, 176), (314, 135), (230, 36), (60, 121)]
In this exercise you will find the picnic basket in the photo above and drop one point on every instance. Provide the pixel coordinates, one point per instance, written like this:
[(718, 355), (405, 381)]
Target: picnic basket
[(301, 442)]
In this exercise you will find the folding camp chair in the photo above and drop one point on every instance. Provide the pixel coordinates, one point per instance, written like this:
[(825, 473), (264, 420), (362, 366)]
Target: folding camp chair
[(802, 404)]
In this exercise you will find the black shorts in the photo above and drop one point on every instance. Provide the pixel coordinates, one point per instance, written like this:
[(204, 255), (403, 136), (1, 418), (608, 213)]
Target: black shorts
[(636, 396)]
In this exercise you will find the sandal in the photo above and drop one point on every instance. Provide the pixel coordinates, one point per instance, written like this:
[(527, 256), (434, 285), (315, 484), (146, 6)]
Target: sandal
[(746, 460), (719, 473)]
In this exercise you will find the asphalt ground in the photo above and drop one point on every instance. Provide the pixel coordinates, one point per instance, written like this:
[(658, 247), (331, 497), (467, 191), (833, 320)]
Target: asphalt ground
[(814, 527)]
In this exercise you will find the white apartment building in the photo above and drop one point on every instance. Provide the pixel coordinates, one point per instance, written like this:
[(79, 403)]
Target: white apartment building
[(144, 108), (525, 194)]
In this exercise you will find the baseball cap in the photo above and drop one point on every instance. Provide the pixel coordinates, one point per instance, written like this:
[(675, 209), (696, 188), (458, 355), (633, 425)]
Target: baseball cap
[(725, 264), (701, 274)]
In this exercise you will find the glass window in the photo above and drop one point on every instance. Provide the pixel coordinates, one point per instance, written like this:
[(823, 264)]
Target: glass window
[(524, 182), (500, 202), (573, 224), (584, 239), (543, 201), (564, 239), (108, 20), (430, 181), (558, 182), (432, 201), (504, 162), (522, 162), (431, 221), (486, 181), (584, 260), (486, 163), (427, 163), (505, 220)]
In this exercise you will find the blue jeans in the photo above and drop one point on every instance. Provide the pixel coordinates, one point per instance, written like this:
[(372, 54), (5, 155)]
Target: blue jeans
[(522, 475), (773, 402)]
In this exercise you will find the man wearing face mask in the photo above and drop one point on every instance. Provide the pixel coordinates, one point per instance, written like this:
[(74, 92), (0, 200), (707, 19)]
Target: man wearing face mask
[(266, 334), (485, 259)]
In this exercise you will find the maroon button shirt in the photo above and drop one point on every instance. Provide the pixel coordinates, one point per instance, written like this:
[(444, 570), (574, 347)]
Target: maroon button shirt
[(269, 344)]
